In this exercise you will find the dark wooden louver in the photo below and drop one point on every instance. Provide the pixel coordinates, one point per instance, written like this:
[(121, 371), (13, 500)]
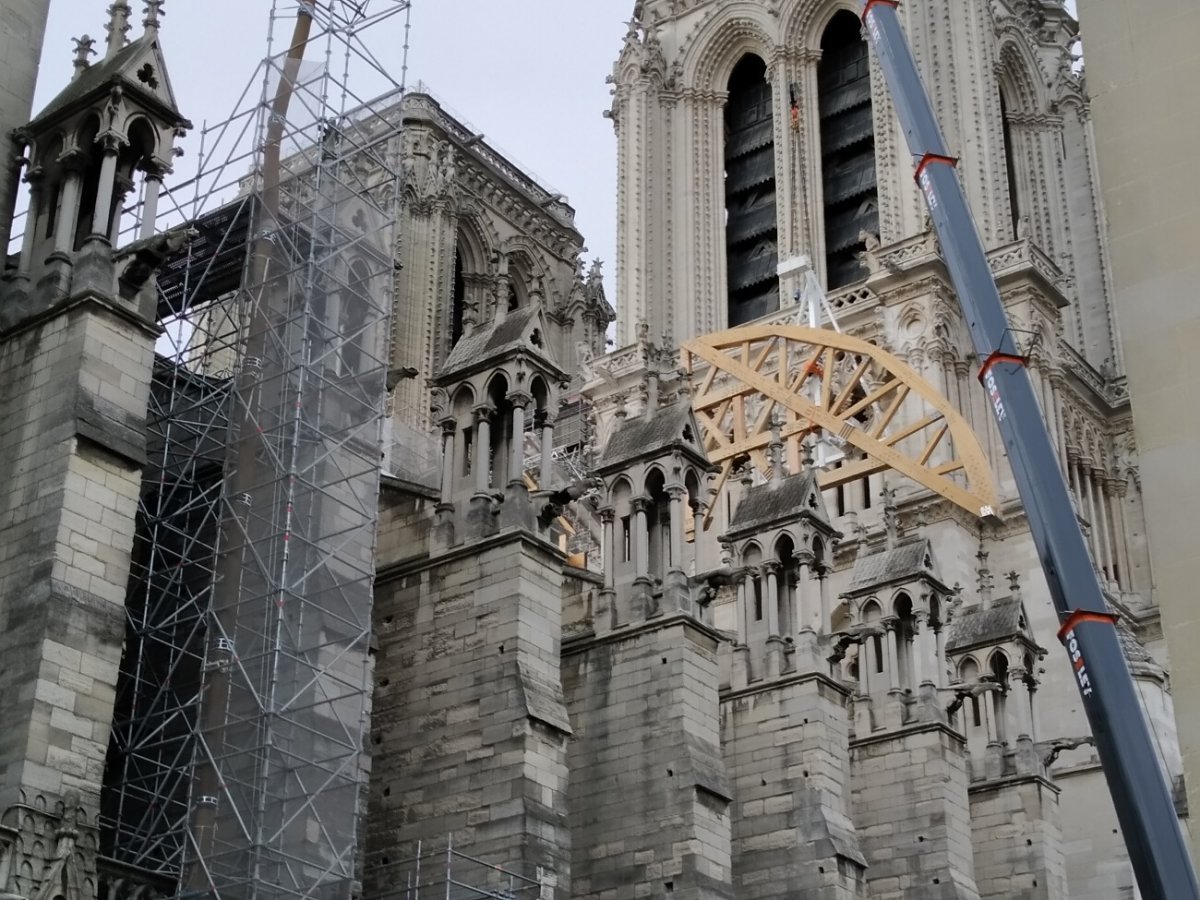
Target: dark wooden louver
[(847, 149), (751, 231)]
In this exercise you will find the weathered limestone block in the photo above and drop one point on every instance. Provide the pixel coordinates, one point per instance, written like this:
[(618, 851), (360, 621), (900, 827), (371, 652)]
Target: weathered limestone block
[(787, 746), (1017, 839), (73, 402), (913, 815), (649, 799), (469, 728)]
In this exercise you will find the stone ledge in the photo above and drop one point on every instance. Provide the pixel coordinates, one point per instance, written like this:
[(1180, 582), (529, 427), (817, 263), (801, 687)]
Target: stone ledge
[(906, 731), (585, 642)]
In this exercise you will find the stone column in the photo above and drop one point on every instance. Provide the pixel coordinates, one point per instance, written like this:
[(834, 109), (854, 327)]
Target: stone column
[(823, 589), (1085, 476), (1117, 489), (608, 556), (483, 447), (516, 466), (939, 641), (740, 674), (1110, 557), (774, 640), (124, 186), (153, 184), (546, 471), (989, 717), (867, 663), (36, 194), (922, 651), (449, 426), (892, 649), (677, 493), (102, 217), (642, 553), (803, 602), (1034, 731)]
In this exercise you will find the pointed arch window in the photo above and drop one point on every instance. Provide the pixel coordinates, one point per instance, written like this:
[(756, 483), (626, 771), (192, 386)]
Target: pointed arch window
[(848, 175), (751, 230), (1010, 165), (458, 303)]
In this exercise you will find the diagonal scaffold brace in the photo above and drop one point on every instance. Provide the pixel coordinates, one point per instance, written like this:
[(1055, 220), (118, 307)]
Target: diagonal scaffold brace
[(1145, 811)]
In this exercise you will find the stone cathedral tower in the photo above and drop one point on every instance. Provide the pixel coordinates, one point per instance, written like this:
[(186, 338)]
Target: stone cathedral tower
[(869, 654)]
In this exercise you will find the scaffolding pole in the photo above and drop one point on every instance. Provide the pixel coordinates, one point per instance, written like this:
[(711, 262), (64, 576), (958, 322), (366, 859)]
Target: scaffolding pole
[(237, 762)]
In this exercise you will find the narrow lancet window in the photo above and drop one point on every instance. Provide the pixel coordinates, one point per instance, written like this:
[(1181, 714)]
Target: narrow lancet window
[(1010, 164), (847, 149), (751, 232), (458, 304)]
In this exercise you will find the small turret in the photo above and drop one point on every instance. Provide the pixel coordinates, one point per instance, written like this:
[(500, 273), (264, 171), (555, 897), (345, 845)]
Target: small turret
[(117, 118)]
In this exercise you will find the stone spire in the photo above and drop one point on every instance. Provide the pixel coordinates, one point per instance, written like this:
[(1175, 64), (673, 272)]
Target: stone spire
[(984, 577), (154, 10), (117, 27), (775, 449), (891, 521)]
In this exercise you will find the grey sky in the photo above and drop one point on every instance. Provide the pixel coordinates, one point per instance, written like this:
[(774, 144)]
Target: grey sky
[(529, 74)]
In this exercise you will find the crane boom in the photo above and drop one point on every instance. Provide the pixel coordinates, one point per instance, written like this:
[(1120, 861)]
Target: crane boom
[(1139, 788)]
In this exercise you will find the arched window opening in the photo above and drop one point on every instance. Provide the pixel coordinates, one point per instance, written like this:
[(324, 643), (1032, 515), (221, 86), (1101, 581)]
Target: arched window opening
[(692, 485), (622, 506), (131, 157), (905, 635), (752, 559), (1010, 165), (968, 673), (463, 401), (501, 431), (658, 521), (848, 175), (751, 230), (998, 665), (90, 189), (458, 302), (53, 180)]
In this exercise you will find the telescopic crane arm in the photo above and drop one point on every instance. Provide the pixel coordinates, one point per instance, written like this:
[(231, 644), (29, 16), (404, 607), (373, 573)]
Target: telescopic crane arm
[(1139, 788)]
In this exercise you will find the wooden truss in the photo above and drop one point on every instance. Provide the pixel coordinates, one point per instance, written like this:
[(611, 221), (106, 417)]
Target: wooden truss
[(753, 381)]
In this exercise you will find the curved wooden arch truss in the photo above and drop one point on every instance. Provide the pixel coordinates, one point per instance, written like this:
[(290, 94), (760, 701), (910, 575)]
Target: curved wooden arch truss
[(752, 379)]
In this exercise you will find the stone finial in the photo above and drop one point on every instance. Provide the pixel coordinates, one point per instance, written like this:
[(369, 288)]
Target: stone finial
[(154, 10), (807, 461), (83, 49), (984, 578), (117, 27), (1014, 585)]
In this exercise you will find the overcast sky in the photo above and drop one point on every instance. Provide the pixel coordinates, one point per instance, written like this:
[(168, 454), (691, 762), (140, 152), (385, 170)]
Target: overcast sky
[(529, 74)]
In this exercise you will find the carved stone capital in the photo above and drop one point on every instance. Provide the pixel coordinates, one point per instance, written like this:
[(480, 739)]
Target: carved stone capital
[(483, 413), (520, 399)]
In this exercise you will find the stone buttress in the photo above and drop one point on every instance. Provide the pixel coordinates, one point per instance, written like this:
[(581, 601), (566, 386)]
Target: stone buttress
[(77, 331)]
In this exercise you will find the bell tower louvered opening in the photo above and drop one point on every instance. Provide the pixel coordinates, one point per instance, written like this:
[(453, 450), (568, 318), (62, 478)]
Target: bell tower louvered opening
[(847, 149), (751, 232)]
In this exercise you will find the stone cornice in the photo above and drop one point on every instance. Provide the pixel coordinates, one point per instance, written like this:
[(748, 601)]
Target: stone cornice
[(584, 642)]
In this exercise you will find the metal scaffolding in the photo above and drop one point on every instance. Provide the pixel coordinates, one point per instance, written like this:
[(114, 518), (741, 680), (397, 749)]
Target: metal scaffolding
[(437, 874), (237, 757)]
